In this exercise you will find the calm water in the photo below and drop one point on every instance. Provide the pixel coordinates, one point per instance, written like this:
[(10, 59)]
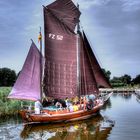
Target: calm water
[(118, 120)]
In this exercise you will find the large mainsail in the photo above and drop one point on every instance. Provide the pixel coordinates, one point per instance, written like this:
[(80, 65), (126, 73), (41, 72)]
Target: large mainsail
[(98, 73), (27, 86), (60, 74)]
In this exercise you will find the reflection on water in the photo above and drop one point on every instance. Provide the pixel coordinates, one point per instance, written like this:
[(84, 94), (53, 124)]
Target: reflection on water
[(137, 97), (126, 95), (125, 110), (107, 105), (118, 120), (10, 128), (89, 129)]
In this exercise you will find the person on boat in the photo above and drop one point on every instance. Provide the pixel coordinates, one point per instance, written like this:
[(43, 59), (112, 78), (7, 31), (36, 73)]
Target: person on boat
[(87, 97), (38, 107), (84, 102), (60, 103), (75, 99), (46, 102), (92, 97), (81, 103), (89, 104), (67, 101), (75, 107), (71, 107), (97, 101)]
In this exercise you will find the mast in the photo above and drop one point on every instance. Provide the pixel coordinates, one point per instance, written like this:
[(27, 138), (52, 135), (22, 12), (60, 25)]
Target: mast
[(40, 40), (78, 59)]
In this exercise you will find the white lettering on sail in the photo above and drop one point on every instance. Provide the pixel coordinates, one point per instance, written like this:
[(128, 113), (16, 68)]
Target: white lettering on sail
[(56, 37), (52, 36), (59, 37)]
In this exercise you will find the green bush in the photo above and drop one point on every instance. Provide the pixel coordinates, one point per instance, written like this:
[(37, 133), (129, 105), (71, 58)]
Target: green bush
[(117, 84), (9, 106)]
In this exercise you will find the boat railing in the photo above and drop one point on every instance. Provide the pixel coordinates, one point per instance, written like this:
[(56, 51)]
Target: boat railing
[(54, 110), (27, 107)]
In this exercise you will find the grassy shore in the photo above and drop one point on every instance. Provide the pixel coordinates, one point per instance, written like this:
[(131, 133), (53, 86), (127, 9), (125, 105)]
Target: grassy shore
[(8, 107)]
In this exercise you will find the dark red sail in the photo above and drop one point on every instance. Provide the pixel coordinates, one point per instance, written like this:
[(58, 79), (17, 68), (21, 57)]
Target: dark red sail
[(66, 12), (88, 82), (98, 73), (60, 74), (27, 86)]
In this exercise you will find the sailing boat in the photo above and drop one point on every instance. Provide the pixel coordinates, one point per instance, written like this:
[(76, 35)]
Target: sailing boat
[(71, 68)]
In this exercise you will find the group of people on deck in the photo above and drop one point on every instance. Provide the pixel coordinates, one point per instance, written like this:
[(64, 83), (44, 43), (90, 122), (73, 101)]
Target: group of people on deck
[(84, 103)]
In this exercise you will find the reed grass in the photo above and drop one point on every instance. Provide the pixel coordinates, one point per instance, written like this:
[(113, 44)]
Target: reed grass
[(9, 107)]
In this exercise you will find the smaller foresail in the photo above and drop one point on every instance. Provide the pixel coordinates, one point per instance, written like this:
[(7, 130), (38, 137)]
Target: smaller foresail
[(27, 86)]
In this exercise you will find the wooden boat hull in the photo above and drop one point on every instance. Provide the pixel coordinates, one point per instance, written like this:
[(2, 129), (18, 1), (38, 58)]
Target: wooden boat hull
[(59, 117)]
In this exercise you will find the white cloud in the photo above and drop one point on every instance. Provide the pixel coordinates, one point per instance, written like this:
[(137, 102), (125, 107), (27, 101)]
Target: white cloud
[(131, 5), (127, 5), (89, 3)]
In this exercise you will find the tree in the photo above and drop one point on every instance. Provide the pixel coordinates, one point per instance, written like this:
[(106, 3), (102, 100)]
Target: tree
[(7, 77), (107, 73), (121, 81), (126, 79), (136, 80), (116, 82)]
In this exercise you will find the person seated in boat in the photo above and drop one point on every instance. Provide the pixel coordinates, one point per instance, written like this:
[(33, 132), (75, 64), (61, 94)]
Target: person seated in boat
[(46, 102), (63, 103), (38, 106), (97, 101), (67, 102), (81, 103), (84, 102), (81, 100), (89, 104), (60, 103), (70, 107), (75, 99), (92, 97), (87, 97), (75, 107)]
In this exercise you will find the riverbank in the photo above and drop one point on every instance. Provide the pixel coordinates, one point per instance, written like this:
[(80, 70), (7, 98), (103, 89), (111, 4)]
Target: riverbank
[(123, 89), (118, 90), (9, 107)]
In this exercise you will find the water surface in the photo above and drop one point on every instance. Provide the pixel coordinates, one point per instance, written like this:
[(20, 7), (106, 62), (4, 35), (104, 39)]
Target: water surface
[(118, 120)]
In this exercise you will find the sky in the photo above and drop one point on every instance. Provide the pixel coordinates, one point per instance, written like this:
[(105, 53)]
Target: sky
[(112, 27)]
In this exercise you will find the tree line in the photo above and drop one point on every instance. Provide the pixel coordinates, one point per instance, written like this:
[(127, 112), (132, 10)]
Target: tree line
[(124, 80), (8, 78)]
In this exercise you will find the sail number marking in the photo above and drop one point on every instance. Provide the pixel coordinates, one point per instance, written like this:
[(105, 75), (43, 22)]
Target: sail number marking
[(56, 37)]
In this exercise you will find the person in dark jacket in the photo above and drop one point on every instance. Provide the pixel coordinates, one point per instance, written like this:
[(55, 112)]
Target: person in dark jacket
[(60, 101)]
